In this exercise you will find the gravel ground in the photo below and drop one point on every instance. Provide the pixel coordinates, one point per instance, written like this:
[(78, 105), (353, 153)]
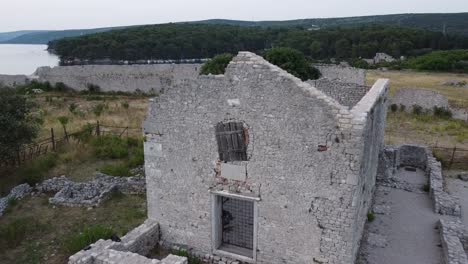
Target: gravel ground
[(403, 231)]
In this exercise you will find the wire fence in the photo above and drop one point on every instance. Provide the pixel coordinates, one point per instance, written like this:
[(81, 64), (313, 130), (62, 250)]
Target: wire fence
[(44, 146)]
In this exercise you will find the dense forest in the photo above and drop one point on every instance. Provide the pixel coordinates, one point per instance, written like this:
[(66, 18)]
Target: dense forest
[(194, 41)]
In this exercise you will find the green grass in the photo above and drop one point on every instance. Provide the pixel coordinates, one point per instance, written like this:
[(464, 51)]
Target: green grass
[(370, 217), (35, 171), (120, 169), (77, 241), (15, 232)]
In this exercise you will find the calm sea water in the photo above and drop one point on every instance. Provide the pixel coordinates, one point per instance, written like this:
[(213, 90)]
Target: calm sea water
[(24, 59)]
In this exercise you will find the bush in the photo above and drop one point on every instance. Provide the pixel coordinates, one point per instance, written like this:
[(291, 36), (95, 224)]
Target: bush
[(217, 65), (61, 87), (450, 61), (370, 217), (17, 126), (292, 61), (402, 108), (92, 88), (98, 109), (442, 112), (13, 233), (35, 171), (118, 170), (110, 147), (72, 108), (394, 108), (125, 105), (89, 235), (418, 110)]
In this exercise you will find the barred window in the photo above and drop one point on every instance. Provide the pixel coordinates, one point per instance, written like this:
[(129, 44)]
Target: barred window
[(232, 141)]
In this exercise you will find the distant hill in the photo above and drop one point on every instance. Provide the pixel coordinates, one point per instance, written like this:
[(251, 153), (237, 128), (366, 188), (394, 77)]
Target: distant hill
[(43, 37), (11, 35), (455, 23), (452, 23)]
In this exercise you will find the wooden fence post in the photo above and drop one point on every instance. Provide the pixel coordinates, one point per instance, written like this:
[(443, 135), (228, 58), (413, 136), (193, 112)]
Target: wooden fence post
[(98, 129), (52, 136), (453, 156)]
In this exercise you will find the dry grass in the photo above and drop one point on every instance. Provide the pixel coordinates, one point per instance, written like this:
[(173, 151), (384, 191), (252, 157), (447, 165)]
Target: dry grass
[(427, 80), (52, 106), (122, 213)]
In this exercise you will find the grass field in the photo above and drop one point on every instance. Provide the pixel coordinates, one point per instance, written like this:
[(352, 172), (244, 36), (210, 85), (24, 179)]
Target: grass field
[(428, 80), (35, 232)]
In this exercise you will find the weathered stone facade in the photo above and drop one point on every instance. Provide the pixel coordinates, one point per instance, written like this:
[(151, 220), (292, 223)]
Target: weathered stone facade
[(310, 168), (13, 80), (125, 78), (342, 73)]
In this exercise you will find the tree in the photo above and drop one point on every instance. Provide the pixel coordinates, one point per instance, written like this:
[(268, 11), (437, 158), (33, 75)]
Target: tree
[(17, 126), (217, 65), (293, 61), (315, 49), (343, 49)]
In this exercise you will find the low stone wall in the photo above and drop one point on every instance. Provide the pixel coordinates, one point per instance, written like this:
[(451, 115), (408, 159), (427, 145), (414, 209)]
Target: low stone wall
[(18, 193), (125, 78), (343, 74), (420, 157), (451, 235), (427, 99), (13, 80), (132, 248), (91, 193)]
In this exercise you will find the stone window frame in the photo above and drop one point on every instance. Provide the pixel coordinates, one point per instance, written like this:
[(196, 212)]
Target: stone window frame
[(216, 239), (236, 145)]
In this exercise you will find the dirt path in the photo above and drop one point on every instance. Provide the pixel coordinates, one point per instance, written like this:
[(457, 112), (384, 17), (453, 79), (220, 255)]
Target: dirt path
[(404, 227)]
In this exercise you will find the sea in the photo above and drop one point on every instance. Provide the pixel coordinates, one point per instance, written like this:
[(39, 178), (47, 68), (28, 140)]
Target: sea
[(25, 59)]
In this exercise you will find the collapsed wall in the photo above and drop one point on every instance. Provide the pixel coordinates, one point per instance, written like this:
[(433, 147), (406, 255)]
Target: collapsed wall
[(125, 78), (342, 73)]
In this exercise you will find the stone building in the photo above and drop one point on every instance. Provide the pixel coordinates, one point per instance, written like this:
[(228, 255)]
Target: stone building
[(257, 166)]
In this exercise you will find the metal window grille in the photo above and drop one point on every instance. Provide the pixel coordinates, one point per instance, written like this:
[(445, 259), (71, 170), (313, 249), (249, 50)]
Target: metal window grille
[(232, 141), (237, 222)]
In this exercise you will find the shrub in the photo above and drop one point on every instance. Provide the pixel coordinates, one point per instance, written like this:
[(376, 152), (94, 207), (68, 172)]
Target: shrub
[(89, 235), (118, 170), (111, 147), (402, 108), (35, 171), (98, 109), (125, 105), (217, 65), (13, 233), (370, 217), (292, 61), (442, 112), (394, 108), (61, 87), (417, 110), (92, 88), (72, 108)]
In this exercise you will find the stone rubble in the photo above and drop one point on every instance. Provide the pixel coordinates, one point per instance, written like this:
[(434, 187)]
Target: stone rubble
[(17, 193)]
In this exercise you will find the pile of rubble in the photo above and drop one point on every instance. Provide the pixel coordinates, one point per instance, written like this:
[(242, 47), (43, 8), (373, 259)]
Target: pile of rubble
[(70, 193)]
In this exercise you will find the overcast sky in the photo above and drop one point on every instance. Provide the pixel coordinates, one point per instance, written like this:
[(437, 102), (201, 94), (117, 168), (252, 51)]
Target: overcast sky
[(67, 14)]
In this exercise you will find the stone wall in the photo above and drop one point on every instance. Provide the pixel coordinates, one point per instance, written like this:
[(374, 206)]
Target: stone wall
[(343, 74), (13, 80), (17, 193), (347, 94), (126, 78), (427, 99), (131, 249), (304, 157), (452, 234)]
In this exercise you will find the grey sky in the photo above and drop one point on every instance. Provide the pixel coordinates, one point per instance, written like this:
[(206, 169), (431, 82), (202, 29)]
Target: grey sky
[(66, 14)]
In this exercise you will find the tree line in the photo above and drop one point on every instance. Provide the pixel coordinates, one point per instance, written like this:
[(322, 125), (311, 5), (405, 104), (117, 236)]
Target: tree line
[(194, 41)]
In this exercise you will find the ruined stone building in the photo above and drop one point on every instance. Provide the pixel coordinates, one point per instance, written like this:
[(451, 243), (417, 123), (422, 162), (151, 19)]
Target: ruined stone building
[(259, 167)]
